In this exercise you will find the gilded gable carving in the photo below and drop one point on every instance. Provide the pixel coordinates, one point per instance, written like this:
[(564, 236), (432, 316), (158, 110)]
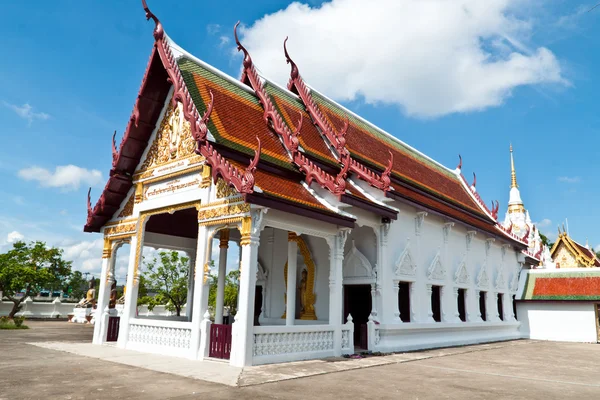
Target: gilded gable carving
[(128, 209), (173, 140)]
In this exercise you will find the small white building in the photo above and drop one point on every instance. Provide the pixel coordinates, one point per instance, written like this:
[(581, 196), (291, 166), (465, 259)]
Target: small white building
[(349, 238)]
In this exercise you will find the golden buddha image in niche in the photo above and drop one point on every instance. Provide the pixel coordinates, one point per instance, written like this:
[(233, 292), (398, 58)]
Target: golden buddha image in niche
[(173, 140)]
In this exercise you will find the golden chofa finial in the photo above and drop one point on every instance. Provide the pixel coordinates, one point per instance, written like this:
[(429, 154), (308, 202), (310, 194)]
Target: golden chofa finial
[(513, 173)]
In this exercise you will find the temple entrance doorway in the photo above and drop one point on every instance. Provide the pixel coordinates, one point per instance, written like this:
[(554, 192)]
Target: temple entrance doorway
[(357, 302)]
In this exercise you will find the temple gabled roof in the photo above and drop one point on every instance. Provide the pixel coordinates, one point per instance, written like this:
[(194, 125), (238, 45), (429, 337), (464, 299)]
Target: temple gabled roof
[(291, 149), (583, 254)]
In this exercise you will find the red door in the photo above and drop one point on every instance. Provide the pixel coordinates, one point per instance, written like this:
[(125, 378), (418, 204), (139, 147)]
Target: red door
[(220, 341)]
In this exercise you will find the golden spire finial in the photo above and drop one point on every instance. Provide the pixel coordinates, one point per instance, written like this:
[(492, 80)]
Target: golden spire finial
[(513, 173)]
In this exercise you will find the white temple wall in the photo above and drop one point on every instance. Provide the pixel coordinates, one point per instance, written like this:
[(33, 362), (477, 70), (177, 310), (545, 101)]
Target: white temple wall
[(560, 321), (436, 249)]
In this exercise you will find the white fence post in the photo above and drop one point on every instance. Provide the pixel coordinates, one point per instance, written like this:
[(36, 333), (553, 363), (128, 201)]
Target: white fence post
[(204, 336), (348, 336), (372, 334), (55, 309)]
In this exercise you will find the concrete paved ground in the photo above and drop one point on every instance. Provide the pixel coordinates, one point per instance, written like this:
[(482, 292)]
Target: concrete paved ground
[(511, 370)]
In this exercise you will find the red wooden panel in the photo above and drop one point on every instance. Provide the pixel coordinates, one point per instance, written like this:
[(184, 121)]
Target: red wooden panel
[(113, 329), (220, 341)]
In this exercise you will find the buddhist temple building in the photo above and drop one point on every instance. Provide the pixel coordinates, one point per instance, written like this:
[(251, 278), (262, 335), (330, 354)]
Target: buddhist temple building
[(349, 238), (567, 253)]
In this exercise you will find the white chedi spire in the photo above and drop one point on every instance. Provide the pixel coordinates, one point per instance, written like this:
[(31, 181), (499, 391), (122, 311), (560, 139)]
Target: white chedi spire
[(515, 195)]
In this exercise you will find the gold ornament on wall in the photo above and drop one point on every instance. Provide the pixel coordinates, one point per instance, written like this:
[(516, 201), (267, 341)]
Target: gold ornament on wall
[(128, 209), (307, 283)]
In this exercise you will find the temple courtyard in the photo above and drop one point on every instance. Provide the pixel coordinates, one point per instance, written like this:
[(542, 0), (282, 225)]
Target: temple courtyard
[(32, 368)]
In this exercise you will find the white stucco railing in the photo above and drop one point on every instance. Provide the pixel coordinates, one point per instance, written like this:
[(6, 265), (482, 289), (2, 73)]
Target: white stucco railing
[(288, 343), (300, 342), (35, 309), (160, 336)]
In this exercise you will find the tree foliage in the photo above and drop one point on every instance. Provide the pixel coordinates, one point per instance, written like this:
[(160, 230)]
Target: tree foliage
[(28, 268), (231, 292), (167, 276), (76, 285), (546, 241)]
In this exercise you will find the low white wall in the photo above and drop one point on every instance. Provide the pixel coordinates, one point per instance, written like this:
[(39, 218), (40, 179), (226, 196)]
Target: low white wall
[(417, 336), (561, 321), (171, 338), (34, 309)]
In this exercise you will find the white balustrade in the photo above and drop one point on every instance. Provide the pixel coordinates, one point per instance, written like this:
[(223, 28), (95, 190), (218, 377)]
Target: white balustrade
[(348, 336), (289, 343), (162, 337)]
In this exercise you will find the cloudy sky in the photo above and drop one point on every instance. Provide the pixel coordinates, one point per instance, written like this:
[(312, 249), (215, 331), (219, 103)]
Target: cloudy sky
[(446, 77)]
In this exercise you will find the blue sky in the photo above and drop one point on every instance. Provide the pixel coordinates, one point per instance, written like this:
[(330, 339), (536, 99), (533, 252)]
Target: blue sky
[(71, 72)]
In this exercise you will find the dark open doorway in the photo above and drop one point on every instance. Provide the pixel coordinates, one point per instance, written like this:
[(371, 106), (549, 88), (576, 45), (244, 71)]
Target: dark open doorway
[(357, 302)]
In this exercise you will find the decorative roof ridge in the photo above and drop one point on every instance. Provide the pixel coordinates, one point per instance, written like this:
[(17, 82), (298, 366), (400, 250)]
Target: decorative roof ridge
[(492, 214), (381, 130), (581, 249), (184, 53), (337, 138), (337, 184), (243, 182)]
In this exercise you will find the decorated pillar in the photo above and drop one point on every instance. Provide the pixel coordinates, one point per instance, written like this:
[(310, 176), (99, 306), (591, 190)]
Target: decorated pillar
[(200, 278), (189, 306), (106, 278), (491, 306), (292, 274), (336, 276), (396, 304), (428, 292), (129, 308), (243, 327), (386, 310), (223, 247)]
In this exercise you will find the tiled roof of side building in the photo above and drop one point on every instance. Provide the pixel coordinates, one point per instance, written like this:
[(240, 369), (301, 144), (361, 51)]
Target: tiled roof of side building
[(558, 285), (371, 145), (237, 116)]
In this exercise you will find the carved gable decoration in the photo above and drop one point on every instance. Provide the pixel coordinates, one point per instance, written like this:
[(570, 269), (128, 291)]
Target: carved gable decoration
[(500, 281), (405, 264), (482, 278), (436, 270), (173, 140), (128, 208), (462, 277), (356, 265), (224, 190)]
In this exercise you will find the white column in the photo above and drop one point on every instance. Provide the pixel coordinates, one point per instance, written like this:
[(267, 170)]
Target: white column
[(455, 313), (243, 327), (492, 306), (508, 307), (428, 292), (103, 292), (396, 304), (204, 235), (386, 310), (223, 246), (131, 288), (336, 276), (189, 306), (478, 316), (292, 273)]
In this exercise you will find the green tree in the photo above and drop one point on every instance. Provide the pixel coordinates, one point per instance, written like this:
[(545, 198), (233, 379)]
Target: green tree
[(231, 292), (28, 268), (76, 285), (546, 241), (167, 276)]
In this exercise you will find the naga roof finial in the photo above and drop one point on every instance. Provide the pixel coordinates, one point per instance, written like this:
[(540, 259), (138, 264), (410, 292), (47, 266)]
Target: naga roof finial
[(158, 29), (202, 127), (89, 204), (247, 59), (294, 74), (474, 180), (115, 153), (459, 166), (385, 175), (248, 175)]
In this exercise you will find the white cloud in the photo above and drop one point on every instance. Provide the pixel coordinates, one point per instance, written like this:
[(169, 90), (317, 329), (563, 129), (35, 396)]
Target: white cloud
[(569, 179), (213, 29), (68, 177), (224, 40), (543, 223), (431, 57), (14, 236), (26, 112)]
